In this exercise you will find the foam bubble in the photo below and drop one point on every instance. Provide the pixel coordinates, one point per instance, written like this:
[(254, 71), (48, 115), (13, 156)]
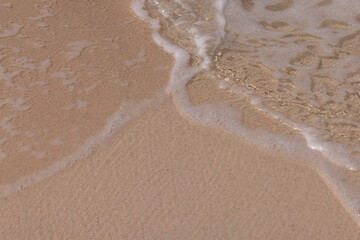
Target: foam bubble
[(77, 48), (10, 31), (44, 13), (8, 5), (140, 59)]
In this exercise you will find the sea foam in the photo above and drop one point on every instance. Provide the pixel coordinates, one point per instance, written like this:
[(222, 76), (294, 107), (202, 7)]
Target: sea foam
[(277, 39)]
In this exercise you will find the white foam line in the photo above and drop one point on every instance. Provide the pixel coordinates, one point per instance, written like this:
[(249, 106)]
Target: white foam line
[(212, 114), (336, 157), (220, 17), (224, 117), (127, 112), (201, 44)]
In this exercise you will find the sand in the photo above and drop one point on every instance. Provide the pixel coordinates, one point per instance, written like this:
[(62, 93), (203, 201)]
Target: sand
[(95, 68), (162, 176)]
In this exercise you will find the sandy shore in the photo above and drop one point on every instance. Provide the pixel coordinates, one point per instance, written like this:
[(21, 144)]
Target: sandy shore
[(85, 65), (161, 176), (164, 178)]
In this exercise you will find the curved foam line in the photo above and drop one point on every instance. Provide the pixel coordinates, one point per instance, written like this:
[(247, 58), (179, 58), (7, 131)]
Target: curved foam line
[(224, 117), (127, 112)]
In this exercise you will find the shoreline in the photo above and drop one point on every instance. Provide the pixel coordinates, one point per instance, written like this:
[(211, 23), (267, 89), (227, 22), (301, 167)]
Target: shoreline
[(191, 66), (82, 95), (163, 176)]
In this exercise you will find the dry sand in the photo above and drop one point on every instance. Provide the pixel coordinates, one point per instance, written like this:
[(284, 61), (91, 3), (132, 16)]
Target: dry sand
[(163, 177)]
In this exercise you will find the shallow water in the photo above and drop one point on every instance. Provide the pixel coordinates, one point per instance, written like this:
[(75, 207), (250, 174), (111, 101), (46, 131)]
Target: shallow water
[(61, 91), (308, 56), (298, 61)]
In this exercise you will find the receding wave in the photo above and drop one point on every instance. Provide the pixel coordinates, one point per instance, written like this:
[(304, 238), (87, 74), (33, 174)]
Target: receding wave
[(298, 61)]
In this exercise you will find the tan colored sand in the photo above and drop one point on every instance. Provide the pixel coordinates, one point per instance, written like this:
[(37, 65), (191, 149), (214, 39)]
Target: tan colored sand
[(162, 177), (95, 64)]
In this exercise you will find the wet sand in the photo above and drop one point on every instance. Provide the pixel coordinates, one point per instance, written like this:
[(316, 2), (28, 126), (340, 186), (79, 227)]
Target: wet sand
[(94, 70), (161, 176)]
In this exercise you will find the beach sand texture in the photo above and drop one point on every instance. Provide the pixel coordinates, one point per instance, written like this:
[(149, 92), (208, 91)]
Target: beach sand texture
[(69, 68), (163, 178)]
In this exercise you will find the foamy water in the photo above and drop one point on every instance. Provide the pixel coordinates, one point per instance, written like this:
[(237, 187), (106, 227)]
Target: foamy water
[(61, 91), (298, 61)]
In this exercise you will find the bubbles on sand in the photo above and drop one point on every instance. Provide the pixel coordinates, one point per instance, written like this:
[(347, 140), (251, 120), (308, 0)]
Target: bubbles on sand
[(297, 61), (62, 88)]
